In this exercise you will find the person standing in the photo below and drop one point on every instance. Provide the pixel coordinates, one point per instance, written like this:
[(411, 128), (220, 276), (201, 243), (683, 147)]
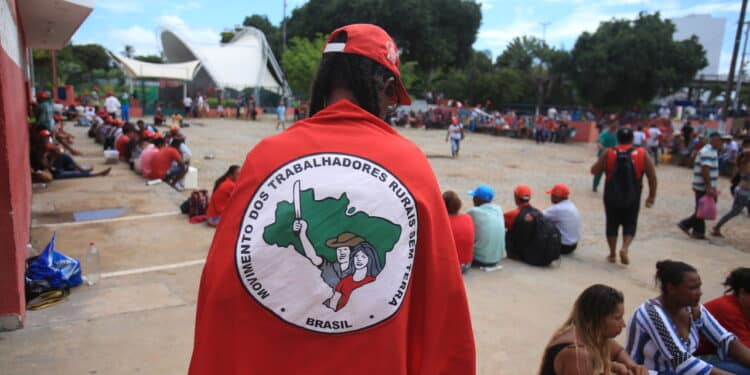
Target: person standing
[(404, 309), (455, 134), (606, 140), (639, 137), (705, 181), (281, 115), (125, 109), (625, 166), (489, 229), (187, 102), (654, 142), (564, 214), (112, 105), (741, 192)]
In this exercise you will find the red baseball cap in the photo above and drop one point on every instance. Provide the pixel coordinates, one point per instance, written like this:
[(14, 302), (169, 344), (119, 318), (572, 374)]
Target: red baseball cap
[(523, 192), (559, 190), (44, 133), (372, 42)]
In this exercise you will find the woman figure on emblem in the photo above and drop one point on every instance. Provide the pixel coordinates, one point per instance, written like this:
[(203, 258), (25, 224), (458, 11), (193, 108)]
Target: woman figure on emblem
[(366, 265)]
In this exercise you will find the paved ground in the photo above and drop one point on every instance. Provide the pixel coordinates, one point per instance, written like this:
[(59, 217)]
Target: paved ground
[(142, 322)]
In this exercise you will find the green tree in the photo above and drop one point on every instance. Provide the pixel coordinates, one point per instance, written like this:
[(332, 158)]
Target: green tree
[(226, 36), (434, 33), (626, 63), (129, 51), (150, 58), (301, 61)]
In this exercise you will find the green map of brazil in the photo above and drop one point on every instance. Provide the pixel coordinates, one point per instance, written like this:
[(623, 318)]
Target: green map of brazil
[(327, 218)]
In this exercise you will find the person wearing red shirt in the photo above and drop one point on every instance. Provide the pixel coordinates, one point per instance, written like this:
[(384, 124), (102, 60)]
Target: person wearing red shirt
[(167, 165), (462, 227), (122, 143), (621, 213), (147, 157), (223, 189), (264, 306), (731, 311)]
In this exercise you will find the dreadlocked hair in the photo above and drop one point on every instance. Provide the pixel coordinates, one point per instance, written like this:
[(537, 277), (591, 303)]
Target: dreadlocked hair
[(362, 76)]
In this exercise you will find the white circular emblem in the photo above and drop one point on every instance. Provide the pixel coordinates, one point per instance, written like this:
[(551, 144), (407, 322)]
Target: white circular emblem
[(392, 53), (327, 243)]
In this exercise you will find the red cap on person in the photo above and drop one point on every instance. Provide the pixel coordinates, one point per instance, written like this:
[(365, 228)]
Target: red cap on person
[(522, 192), (372, 42), (559, 190), (44, 133), (42, 95)]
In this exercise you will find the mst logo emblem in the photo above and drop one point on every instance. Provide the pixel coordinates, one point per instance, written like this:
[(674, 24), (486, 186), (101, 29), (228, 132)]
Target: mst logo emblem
[(327, 243)]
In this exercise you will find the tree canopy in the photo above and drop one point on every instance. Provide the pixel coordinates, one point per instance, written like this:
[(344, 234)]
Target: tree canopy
[(301, 61), (434, 33), (626, 63)]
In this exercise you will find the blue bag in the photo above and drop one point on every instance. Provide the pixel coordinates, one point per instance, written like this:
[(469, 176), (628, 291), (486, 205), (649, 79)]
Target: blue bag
[(57, 269)]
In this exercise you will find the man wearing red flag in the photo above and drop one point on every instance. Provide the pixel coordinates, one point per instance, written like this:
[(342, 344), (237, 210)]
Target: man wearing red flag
[(336, 242)]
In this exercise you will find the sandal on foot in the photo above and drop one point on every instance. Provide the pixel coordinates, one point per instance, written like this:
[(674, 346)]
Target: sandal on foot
[(624, 258), (611, 258), (716, 233)]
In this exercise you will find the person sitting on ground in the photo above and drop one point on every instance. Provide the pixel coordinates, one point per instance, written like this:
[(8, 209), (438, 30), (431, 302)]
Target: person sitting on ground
[(585, 344), (732, 310), (489, 229), (142, 144), (663, 332), (148, 155), (63, 166), (223, 189), (741, 191), (519, 240), (167, 165), (159, 117), (123, 143), (463, 229), (564, 214)]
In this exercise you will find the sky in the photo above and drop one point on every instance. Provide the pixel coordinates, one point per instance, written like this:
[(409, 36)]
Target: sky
[(115, 23)]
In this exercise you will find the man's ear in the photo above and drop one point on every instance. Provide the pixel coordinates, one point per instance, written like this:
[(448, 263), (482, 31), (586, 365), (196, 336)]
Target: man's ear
[(390, 87)]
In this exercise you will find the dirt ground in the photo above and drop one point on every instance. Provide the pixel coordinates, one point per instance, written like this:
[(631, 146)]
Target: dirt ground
[(140, 320)]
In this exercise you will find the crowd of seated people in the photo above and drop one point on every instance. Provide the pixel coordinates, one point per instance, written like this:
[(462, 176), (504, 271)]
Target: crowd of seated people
[(485, 235), (671, 334)]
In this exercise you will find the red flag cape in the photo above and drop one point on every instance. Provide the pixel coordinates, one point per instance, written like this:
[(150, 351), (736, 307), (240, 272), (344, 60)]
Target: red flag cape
[(334, 255)]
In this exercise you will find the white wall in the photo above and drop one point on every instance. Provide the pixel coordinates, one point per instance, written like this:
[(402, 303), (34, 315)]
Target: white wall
[(710, 33)]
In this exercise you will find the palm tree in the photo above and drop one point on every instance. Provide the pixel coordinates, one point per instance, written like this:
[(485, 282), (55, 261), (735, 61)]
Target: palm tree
[(129, 51)]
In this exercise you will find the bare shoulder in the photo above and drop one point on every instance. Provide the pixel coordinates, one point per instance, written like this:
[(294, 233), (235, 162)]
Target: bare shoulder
[(573, 360)]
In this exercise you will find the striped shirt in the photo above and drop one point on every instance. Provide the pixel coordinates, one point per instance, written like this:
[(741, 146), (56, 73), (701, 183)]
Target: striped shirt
[(653, 340), (707, 156)]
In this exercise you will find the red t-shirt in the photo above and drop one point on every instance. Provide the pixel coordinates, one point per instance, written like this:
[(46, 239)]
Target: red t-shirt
[(463, 235), (162, 161), (122, 144), (220, 198), (638, 155), (260, 305), (727, 311), (347, 285), (510, 216)]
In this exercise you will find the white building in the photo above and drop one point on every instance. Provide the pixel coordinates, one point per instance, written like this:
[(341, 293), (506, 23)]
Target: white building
[(710, 33)]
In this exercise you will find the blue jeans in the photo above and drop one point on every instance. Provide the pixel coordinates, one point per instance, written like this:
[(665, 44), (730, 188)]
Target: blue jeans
[(125, 109)]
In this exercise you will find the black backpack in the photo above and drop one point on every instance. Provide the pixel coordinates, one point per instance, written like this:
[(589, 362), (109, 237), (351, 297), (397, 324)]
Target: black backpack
[(535, 242), (622, 189)]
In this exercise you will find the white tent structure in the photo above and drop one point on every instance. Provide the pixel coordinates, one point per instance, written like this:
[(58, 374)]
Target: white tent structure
[(245, 62), (136, 69)]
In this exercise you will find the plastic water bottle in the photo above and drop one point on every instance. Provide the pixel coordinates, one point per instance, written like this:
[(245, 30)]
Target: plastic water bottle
[(92, 265)]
